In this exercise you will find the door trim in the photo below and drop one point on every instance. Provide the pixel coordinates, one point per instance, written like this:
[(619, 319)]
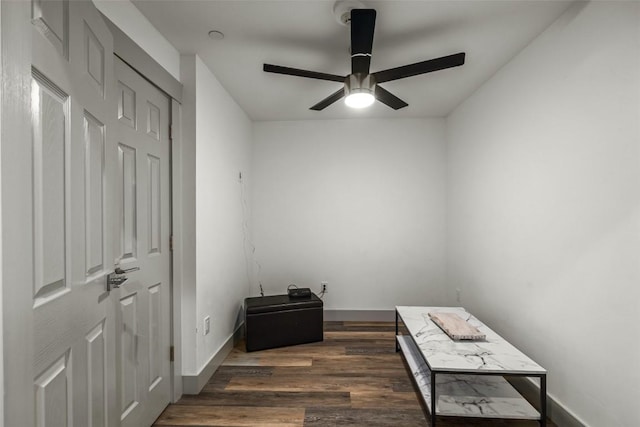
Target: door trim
[(175, 162), (135, 57)]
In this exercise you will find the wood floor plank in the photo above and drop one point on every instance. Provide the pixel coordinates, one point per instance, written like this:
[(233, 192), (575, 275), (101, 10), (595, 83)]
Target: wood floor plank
[(223, 375), (182, 415), (217, 382), (241, 358), (309, 383), (377, 399), (359, 349), (389, 372), (244, 371), (321, 348), (360, 326), (385, 365), (359, 335), (401, 385), (273, 399), (345, 361), (364, 417)]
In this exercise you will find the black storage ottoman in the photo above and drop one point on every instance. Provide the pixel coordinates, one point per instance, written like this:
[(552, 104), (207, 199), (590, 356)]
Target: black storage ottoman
[(278, 321)]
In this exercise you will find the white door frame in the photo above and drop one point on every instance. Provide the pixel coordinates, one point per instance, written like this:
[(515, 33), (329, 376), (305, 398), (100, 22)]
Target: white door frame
[(177, 254)]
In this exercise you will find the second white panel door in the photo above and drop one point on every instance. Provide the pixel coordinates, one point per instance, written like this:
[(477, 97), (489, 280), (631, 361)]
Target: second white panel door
[(143, 236)]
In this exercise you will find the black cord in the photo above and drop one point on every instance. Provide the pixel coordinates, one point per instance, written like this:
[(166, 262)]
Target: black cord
[(261, 290)]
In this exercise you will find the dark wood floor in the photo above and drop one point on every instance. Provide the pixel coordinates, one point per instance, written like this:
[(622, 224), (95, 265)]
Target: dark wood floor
[(353, 378)]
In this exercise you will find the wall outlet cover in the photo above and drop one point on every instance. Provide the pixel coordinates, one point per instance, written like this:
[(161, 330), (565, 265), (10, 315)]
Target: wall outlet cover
[(207, 325)]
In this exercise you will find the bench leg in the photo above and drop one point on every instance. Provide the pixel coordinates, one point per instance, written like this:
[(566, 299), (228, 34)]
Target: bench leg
[(433, 399), (397, 346), (543, 401)]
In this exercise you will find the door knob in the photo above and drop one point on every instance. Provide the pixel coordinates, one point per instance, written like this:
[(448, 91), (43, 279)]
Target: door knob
[(117, 278), (118, 270)]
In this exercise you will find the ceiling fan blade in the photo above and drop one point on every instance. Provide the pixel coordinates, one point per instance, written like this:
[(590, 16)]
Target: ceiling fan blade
[(363, 23), (420, 68), (389, 99), (328, 100), (302, 73)]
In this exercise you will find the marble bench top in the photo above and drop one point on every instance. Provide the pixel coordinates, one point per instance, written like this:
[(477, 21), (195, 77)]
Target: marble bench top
[(493, 355)]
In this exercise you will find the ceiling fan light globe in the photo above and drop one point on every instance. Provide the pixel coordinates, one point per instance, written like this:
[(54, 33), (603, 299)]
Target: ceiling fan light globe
[(362, 99)]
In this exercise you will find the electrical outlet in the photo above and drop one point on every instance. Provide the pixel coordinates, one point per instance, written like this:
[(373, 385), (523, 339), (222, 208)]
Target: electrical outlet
[(324, 287), (207, 325)]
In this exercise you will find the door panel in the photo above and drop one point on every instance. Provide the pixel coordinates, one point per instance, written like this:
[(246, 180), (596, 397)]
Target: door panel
[(129, 372), (154, 207), (50, 119), (54, 394), (51, 20), (73, 108), (126, 105), (94, 59), (128, 198), (96, 375), (143, 323), (94, 134)]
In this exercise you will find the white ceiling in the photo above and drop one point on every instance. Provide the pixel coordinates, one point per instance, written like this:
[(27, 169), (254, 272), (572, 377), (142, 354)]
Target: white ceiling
[(304, 34)]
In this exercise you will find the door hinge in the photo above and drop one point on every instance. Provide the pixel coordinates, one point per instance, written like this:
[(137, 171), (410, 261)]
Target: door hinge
[(171, 132), (171, 354), (171, 243)]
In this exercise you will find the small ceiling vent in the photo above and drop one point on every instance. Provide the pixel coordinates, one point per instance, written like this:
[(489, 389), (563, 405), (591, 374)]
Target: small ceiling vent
[(342, 10)]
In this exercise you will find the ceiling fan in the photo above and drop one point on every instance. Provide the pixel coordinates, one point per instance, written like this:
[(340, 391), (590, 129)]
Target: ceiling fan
[(362, 88)]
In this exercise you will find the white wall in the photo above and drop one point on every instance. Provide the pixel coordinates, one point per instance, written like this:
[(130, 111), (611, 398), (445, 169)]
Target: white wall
[(223, 139), (356, 203), (131, 21), (544, 207)]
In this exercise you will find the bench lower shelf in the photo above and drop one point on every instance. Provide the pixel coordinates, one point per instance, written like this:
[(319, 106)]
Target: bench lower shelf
[(466, 395)]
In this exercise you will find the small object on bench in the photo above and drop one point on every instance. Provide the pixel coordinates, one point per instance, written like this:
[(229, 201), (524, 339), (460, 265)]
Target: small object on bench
[(279, 320), (456, 327), (298, 292)]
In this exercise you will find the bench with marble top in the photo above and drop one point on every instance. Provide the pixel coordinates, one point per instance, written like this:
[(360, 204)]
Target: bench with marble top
[(465, 378)]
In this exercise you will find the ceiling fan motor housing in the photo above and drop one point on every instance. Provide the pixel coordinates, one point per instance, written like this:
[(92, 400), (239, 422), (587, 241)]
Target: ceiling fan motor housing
[(359, 83)]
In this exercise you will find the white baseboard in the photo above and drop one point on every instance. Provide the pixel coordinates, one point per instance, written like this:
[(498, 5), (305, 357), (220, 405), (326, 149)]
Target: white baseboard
[(558, 413), (193, 384), (360, 315)]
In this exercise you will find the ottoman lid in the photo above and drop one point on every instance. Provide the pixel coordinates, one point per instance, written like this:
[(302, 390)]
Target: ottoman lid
[(274, 303)]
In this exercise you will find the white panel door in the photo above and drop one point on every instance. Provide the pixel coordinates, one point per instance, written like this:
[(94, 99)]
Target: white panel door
[(73, 176), (143, 309)]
